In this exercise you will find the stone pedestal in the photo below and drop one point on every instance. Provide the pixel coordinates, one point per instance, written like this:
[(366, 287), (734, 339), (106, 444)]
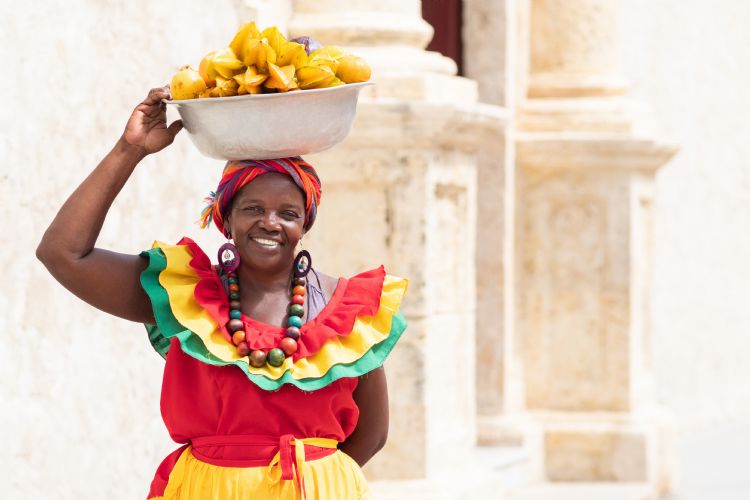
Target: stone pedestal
[(585, 189), (402, 190)]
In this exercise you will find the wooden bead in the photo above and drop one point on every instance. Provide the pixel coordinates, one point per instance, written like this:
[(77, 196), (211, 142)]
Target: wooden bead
[(238, 338), (294, 321), (276, 357), (232, 281), (234, 295), (288, 345), (242, 349), (292, 332), (234, 287), (258, 358), (297, 310), (299, 281), (235, 324), (299, 290), (298, 299), (235, 314), (235, 304)]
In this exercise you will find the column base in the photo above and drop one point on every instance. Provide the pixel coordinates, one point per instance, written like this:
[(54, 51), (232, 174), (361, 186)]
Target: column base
[(607, 447), (489, 472)]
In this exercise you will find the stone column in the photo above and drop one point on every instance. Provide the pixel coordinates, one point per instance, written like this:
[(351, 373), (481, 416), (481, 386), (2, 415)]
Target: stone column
[(391, 35), (585, 190), (401, 190), (491, 36)]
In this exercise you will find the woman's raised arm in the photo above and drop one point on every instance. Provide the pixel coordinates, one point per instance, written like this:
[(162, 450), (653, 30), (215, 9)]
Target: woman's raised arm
[(107, 280)]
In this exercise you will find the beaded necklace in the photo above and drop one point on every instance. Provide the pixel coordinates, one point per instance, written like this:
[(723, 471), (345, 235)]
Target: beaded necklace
[(288, 345)]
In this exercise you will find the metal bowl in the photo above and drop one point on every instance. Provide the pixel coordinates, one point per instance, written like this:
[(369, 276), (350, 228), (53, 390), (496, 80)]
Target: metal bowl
[(263, 126)]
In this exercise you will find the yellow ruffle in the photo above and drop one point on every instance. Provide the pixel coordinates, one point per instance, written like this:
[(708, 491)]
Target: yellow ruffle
[(332, 477), (179, 280)]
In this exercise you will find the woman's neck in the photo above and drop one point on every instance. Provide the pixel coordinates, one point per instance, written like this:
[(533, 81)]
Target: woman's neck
[(264, 281)]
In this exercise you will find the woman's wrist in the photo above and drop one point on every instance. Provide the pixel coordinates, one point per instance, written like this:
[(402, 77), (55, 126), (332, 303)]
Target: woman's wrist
[(129, 151)]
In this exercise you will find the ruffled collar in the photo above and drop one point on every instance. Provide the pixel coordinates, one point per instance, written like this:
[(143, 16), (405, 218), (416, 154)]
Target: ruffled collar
[(353, 297)]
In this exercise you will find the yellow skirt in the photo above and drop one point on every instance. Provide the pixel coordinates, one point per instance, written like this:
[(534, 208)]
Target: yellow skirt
[(336, 476)]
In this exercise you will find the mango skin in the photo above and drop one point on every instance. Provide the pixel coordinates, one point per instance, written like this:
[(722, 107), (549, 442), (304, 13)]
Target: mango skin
[(353, 69), (186, 84)]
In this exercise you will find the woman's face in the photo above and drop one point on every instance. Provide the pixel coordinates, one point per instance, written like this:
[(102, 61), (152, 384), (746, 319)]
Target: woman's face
[(266, 221)]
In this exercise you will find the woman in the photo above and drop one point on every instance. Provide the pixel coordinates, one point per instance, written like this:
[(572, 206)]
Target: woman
[(273, 379)]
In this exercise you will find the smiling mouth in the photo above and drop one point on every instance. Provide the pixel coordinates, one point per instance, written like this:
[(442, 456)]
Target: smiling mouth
[(266, 242)]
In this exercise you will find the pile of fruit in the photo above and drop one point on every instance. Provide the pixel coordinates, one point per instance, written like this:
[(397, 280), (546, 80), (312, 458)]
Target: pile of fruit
[(265, 62)]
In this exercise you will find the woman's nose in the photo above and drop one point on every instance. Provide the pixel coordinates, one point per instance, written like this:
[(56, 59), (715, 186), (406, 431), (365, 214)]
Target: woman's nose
[(270, 221)]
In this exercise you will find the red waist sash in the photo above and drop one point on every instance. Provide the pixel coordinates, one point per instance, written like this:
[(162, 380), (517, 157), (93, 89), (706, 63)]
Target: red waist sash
[(286, 451), (249, 450)]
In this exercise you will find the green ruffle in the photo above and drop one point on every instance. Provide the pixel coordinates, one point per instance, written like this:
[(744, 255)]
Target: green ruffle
[(167, 327)]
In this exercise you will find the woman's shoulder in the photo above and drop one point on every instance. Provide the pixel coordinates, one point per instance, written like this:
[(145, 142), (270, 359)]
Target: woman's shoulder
[(326, 282)]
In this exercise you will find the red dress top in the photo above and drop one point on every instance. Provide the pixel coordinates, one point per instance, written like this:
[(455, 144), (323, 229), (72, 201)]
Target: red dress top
[(201, 400), (235, 415)]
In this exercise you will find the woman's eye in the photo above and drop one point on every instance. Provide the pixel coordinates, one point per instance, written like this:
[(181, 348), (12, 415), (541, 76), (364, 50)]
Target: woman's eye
[(290, 215), (253, 210)]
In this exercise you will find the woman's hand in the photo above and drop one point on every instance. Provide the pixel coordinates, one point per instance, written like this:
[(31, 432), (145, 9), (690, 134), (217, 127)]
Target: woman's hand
[(147, 127), (104, 279)]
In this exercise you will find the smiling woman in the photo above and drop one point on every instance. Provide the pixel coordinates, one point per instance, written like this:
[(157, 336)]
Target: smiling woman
[(273, 382)]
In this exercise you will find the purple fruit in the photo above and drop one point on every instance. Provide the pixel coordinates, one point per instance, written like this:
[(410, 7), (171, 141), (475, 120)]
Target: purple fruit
[(311, 44)]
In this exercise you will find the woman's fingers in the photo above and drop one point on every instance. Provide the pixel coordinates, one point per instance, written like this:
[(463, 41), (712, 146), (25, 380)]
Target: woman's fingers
[(174, 128), (156, 95)]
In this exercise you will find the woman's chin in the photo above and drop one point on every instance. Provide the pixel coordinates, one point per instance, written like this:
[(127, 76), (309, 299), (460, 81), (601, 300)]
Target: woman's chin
[(269, 260)]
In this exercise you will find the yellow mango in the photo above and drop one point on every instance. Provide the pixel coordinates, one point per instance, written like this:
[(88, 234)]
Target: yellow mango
[(247, 31), (353, 69), (186, 84)]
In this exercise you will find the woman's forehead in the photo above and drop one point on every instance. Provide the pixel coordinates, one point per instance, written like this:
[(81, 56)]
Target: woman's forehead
[(272, 186)]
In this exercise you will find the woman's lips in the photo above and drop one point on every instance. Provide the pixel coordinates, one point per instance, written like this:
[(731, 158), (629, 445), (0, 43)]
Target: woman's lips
[(267, 243)]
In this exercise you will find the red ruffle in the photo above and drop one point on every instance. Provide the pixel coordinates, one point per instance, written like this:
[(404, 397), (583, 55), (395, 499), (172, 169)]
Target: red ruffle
[(356, 296)]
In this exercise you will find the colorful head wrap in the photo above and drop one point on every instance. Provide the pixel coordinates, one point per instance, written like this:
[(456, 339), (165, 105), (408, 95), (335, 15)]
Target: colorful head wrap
[(238, 173)]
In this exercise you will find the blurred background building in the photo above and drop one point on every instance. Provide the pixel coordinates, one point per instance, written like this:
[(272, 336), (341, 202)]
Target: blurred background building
[(565, 183)]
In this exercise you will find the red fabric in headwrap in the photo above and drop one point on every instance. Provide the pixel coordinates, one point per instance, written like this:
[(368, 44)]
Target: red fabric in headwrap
[(238, 173)]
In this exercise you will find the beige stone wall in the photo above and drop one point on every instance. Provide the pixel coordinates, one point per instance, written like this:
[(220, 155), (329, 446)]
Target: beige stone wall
[(687, 61), (84, 412), (80, 390)]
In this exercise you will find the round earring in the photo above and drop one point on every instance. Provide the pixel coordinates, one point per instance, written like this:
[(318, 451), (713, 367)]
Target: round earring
[(229, 256), (302, 264)]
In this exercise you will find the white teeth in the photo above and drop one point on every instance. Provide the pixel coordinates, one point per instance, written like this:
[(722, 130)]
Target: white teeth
[(267, 243)]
